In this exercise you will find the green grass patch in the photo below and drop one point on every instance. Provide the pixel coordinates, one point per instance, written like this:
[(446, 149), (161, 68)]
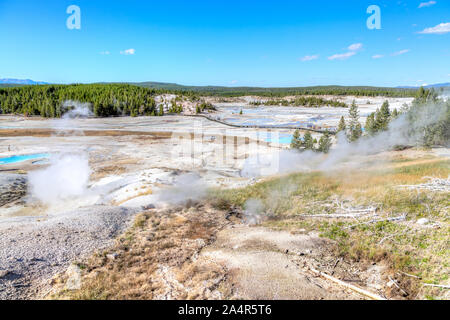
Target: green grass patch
[(404, 246)]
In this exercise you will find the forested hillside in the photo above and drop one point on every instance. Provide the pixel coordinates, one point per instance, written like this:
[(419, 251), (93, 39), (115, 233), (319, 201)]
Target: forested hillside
[(309, 102), (104, 99), (282, 92), (138, 99)]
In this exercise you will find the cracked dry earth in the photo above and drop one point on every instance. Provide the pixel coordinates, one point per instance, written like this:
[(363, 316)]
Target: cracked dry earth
[(204, 253)]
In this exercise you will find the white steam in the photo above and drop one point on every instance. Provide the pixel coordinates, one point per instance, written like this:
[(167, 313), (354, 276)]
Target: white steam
[(188, 187), (445, 93), (253, 211), (401, 131), (76, 109), (66, 177), (71, 111)]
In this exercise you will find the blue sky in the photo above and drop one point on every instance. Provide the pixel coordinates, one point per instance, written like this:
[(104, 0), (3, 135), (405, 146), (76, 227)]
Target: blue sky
[(232, 43)]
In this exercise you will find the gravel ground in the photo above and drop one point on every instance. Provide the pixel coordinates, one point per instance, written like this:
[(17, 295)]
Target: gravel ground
[(33, 251), (12, 188)]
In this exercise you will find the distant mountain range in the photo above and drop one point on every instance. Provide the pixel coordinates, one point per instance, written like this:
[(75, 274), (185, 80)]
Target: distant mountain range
[(294, 90), (174, 86), (21, 81), (437, 85)]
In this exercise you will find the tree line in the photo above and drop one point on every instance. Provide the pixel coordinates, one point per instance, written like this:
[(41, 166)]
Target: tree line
[(427, 120), (204, 106), (309, 143), (104, 99), (359, 91), (309, 102)]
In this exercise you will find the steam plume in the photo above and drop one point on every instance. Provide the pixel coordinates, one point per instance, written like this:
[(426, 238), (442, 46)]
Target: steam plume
[(66, 177), (401, 131)]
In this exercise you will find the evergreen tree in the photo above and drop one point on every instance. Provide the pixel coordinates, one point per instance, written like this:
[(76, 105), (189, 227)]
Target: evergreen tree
[(427, 106), (358, 131), (308, 141), (355, 130), (106, 99), (325, 143), (423, 96), (382, 117), (342, 126), (395, 113), (296, 142), (370, 126), (385, 111)]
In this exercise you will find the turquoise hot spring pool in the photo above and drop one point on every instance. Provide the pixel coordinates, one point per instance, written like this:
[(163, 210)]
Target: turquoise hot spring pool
[(16, 159)]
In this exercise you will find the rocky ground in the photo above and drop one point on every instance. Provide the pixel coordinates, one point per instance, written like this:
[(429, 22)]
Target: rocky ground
[(157, 258), (271, 265), (38, 241), (32, 250), (203, 252), (191, 252), (12, 188)]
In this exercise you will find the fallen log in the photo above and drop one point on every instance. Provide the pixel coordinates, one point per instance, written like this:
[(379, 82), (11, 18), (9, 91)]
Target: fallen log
[(410, 275), (399, 218), (351, 214), (347, 285), (435, 184), (436, 286), (398, 287)]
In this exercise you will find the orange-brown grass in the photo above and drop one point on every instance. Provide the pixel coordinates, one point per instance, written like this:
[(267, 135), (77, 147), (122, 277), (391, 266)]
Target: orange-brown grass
[(107, 171), (146, 192), (154, 260), (404, 246)]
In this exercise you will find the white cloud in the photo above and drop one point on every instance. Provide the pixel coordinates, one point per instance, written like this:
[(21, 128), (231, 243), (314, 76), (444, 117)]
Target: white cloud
[(398, 53), (427, 4), (105, 52), (378, 56), (355, 46), (353, 49), (128, 52), (421, 83), (342, 56), (233, 81), (310, 58), (439, 29)]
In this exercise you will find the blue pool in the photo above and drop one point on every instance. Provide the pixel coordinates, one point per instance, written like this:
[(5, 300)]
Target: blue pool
[(282, 139), (16, 159)]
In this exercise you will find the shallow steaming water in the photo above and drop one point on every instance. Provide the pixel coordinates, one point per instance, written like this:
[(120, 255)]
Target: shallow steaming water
[(16, 159)]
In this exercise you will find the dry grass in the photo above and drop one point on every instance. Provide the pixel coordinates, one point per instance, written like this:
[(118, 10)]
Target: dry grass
[(158, 258), (155, 259), (405, 246), (145, 192), (157, 135), (108, 170)]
